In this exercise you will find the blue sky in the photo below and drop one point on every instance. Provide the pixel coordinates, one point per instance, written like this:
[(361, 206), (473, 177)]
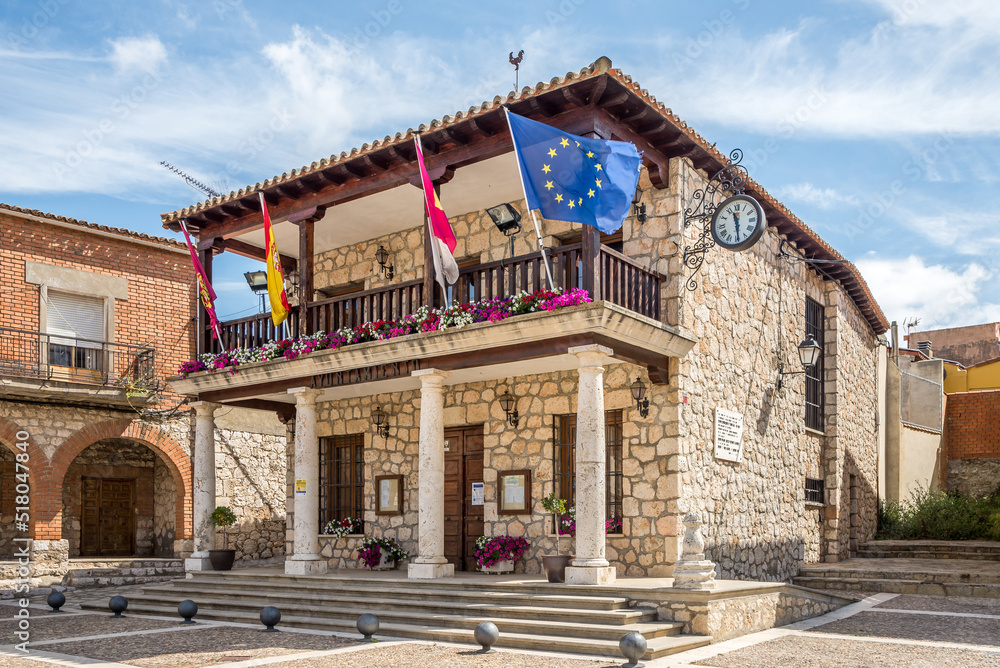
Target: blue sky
[(876, 121)]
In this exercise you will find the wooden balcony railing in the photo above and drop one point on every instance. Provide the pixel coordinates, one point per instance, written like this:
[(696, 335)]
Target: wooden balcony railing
[(388, 303), (618, 279)]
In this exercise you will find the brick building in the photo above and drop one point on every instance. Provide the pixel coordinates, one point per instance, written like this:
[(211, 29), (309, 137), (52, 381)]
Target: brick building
[(428, 417), (94, 318)]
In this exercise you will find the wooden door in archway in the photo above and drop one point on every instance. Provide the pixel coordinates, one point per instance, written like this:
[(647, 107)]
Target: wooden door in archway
[(107, 517)]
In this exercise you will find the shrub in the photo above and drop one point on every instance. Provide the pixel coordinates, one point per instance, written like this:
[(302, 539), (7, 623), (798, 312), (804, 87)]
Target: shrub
[(931, 515)]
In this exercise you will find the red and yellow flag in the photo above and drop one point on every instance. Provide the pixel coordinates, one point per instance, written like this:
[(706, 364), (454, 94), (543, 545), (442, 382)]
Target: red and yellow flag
[(441, 237), (275, 280)]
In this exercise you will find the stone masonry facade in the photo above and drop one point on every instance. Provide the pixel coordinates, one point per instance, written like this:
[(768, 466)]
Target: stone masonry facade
[(747, 313)]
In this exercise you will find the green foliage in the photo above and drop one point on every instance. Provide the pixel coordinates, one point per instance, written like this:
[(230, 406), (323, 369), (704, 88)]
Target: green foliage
[(223, 517), (931, 515), (554, 504)]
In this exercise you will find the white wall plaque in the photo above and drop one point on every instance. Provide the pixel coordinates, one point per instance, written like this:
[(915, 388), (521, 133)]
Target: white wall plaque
[(478, 493), (728, 435)]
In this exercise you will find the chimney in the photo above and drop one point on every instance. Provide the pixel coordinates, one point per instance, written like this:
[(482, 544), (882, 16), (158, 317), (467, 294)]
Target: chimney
[(925, 348)]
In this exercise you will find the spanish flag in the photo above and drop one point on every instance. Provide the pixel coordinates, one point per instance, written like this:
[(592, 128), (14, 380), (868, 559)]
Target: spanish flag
[(275, 281)]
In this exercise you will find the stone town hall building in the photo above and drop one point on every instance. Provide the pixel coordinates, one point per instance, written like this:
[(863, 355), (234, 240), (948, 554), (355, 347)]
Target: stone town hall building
[(805, 487)]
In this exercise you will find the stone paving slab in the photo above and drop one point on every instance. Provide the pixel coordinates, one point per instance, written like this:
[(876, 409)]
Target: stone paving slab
[(199, 646), (410, 655), (966, 630), (54, 626), (981, 606), (13, 662), (805, 652)]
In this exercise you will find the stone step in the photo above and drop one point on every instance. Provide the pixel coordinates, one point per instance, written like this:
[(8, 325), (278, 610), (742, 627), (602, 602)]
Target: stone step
[(931, 549), (898, 586), (554, 641), (404, 608), (409, 591), (524, 619), (869, 553), (957, 576), (125, 563)]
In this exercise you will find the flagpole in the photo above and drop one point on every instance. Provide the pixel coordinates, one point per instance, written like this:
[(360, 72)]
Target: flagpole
[(538, 231)]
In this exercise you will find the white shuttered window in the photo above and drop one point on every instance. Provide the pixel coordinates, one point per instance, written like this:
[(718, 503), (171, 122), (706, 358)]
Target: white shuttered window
[(75, 317)]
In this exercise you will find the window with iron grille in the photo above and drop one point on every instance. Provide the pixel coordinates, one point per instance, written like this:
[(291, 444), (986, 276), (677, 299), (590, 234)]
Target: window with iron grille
[(814, 374), (341, 484), (564, 458), (814, 490)]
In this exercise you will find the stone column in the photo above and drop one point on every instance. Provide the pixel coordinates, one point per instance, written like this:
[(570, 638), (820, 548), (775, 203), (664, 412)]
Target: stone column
[(305, 559), (203, 502), (590, 565), (693, 570), (431, 562)]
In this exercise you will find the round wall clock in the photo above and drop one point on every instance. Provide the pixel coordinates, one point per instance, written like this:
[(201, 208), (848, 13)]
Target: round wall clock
[(738, 223)]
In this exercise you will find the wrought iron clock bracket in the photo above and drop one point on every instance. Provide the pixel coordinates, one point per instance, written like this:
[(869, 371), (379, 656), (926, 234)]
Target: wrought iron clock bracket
[(730, 180)]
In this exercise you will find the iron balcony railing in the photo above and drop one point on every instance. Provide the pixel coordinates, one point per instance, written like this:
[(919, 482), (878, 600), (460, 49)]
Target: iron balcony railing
[(26, 354)]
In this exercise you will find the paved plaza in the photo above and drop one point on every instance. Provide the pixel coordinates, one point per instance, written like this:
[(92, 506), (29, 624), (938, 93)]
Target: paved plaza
[(879, 630)]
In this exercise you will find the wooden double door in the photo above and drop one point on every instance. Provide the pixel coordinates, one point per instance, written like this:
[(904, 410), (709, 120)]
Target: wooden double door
[(107, 522), (463, 495)]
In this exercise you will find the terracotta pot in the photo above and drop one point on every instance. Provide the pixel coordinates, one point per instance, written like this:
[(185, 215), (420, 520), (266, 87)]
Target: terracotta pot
[(222, 560), (555, 566)]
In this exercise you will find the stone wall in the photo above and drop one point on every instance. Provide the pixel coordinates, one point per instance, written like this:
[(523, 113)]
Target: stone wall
[(973, 477), (748, 312)]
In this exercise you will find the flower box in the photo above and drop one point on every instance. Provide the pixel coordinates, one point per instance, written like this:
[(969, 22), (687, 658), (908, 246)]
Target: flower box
[(492, 551), (505, 566)]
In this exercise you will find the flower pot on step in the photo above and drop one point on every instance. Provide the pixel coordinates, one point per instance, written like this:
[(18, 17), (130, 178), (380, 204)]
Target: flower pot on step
[(385, 562), (222, 560), (555, 566)]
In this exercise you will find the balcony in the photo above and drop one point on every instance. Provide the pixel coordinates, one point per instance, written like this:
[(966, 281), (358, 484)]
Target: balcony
[(34, 364), (610, 277)]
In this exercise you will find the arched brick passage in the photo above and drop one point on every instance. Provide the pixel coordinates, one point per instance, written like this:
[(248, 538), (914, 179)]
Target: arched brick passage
[(174, 457), (39, 470)]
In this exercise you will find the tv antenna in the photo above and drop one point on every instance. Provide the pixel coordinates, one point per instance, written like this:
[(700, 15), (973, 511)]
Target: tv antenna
[(191, 181), (516, 62)]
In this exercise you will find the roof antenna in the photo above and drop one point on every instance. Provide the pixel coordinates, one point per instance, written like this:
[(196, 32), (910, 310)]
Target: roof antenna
[(191, 181), (516, 62)]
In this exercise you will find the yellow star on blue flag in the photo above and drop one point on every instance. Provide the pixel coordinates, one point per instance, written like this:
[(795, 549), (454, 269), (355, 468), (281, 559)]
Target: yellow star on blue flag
[(573, 178)]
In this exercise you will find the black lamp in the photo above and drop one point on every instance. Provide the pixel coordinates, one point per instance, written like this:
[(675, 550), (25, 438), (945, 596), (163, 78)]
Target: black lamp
[(639, 394), (507, 403), (809, 354), (380, 419), (639, 210), (507, 220), (382, 257)]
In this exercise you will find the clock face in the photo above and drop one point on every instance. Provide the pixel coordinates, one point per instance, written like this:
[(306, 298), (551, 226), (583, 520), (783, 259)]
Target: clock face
[(738, 223)]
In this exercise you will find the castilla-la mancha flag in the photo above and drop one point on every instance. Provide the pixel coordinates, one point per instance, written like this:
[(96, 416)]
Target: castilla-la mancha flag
[(275, 280), (205, 291), (442, 237)]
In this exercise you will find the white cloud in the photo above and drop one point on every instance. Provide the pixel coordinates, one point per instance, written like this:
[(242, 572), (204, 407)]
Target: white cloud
[(927, 72), (938, 295), (130, 55), (824, 198)]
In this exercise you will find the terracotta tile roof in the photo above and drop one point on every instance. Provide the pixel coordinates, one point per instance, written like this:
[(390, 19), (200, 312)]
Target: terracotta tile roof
[(92, 226), (806, 238)]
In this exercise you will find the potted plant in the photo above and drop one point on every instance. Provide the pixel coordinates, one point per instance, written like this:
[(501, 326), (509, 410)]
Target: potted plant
[(222, 560), (380, 553), (555, 564), (497, 554), (346, 526)]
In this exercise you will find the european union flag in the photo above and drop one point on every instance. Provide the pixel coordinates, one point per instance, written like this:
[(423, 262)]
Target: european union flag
[(576, 179)]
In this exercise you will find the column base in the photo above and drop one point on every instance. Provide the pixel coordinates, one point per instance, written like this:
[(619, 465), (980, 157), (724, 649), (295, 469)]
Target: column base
[(194, 563), (696, 575), (584, 575), (305, 567), (430, 571)]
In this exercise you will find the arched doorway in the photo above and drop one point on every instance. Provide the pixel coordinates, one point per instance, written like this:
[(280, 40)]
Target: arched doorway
[(8, 486), (119, 499)]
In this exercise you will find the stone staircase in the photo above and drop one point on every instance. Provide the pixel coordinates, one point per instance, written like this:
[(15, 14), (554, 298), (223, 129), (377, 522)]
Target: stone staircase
[(936, 568), (584, 620), (930, 549), (121, 571)]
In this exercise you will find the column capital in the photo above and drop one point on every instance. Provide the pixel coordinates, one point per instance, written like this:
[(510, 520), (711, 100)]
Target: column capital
[(304, 395), (204, 409), (591, 355), (431, 377)]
